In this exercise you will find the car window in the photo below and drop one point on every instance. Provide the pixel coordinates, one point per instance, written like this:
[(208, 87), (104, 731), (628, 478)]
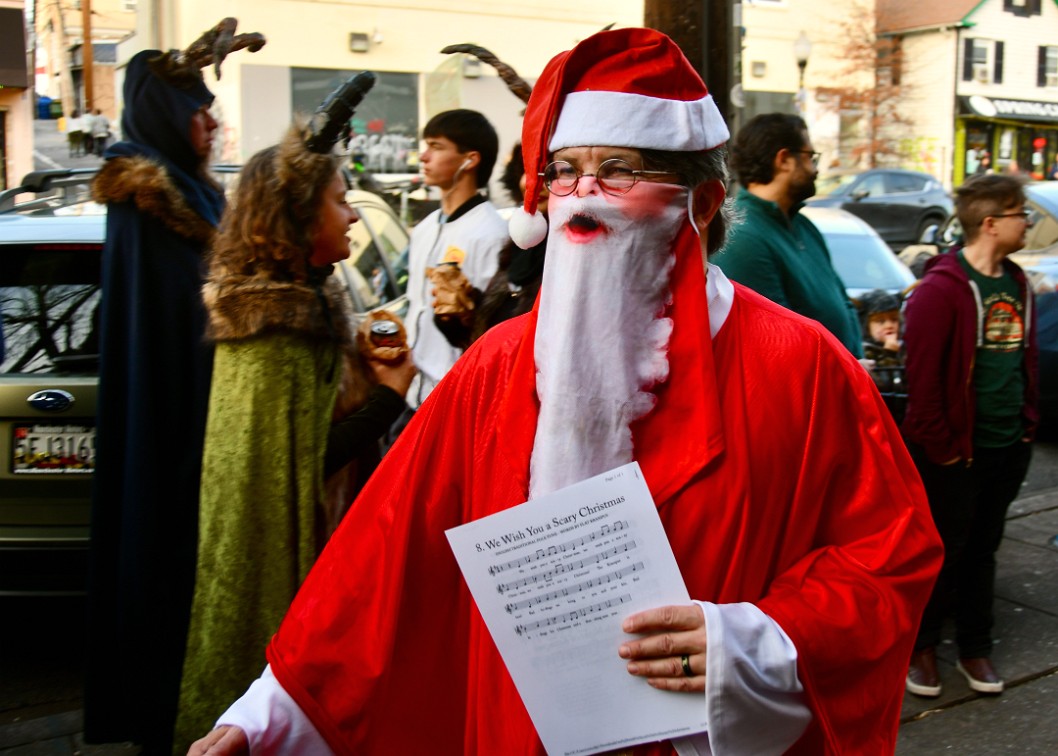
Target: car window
[(392, 241), (364, 271), (864, 262), (374, 272), (1044, 231), (903, 183), (832, 184), (871, 186), (49, 308)]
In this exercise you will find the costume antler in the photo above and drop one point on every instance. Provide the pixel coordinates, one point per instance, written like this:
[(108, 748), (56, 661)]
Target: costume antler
[(519, 86), (217, 43)]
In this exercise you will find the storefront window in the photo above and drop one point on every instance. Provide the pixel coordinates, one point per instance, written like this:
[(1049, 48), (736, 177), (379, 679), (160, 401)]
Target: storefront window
[(1007, 143), (978, 149), (386, 124)]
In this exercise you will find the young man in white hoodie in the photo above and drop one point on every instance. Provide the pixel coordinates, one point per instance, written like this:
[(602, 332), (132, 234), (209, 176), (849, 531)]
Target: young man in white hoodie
[(459, 155)]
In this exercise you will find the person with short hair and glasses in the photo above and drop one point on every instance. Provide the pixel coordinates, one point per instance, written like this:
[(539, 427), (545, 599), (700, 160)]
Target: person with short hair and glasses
[(773, 248), (972, 386)]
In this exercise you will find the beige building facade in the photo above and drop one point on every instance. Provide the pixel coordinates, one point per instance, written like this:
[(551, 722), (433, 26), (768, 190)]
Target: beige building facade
[(982, 80), (16, 95), (59, 26), (771, 75), (314, 46)]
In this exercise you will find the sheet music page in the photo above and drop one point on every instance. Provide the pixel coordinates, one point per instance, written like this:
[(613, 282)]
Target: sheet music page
[(553, 579)]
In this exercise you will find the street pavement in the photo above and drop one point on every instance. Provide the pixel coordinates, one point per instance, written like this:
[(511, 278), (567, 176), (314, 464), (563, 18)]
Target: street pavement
[(1023, 720), (52, 151)]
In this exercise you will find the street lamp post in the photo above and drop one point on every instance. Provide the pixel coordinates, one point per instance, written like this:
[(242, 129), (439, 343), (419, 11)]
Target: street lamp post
[(802, 48)]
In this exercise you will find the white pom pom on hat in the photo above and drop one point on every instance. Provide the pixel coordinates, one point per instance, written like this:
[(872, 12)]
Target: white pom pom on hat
[(621, 88), (527, 230)]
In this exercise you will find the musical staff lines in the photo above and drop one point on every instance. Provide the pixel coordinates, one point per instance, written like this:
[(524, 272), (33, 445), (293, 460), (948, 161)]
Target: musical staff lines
[(567, 567), (570, 616), (574, 589), (559, 548)]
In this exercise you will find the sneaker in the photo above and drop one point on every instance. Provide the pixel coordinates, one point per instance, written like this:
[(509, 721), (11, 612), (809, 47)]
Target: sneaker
[(981, 675), (922, 677)]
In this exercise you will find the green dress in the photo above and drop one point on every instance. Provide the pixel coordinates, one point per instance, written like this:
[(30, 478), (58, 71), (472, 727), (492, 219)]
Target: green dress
[(275, 378)]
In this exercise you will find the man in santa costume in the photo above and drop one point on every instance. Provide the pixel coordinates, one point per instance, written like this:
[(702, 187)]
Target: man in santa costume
[(793, 510)]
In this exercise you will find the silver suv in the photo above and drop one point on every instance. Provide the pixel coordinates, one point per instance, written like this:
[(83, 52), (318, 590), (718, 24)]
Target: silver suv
[(50, 256)]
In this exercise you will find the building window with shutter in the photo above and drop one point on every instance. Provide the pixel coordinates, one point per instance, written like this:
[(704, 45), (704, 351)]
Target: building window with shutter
[(1048, 67), (1024, 8), (977, 60), (982, 61)]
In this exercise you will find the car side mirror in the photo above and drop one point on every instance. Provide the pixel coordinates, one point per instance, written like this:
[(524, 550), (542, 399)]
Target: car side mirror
[(860, 194)]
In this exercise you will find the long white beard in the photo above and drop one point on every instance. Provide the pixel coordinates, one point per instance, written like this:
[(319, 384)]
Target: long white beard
[(601, 337)]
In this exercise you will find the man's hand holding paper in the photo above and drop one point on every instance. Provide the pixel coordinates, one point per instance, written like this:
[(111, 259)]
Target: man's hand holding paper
[(674, 644)]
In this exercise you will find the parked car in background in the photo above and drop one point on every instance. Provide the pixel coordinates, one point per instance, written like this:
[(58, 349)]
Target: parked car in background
[(1047, 336), (50, 255), (861, 258), (900, 205)]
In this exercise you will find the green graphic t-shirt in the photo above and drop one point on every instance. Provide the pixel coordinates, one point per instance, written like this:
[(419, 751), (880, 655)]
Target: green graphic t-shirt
[(999, 376)]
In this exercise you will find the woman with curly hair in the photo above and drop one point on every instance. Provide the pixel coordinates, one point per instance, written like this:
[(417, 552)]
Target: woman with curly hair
[(284, 352)]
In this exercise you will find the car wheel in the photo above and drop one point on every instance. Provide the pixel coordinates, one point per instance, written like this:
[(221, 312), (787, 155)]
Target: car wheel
[(929, 220)]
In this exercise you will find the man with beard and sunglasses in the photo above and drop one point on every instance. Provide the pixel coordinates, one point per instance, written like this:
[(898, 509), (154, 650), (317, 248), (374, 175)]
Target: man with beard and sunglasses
[(791, 506), (773, 249)]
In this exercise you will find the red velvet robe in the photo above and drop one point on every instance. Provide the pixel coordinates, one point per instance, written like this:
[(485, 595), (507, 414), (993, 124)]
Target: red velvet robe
[(780, 479)]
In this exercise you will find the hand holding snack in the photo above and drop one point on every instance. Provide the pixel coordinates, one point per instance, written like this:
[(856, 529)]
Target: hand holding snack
[(451, 292), (381, 336)]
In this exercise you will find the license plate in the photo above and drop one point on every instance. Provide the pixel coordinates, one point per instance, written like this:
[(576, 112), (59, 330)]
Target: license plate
[(41, 448)]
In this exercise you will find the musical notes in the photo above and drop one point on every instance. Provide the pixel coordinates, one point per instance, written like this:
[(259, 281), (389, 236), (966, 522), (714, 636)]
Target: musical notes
[(561, 548), (567, 617), (560, 568), (594, 582)]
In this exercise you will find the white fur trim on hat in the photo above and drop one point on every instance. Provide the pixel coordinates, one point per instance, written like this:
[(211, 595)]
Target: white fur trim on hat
[(619, 119), (527, 230)]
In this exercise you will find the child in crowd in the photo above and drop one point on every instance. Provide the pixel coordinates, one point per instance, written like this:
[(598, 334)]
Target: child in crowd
[(880, 316)]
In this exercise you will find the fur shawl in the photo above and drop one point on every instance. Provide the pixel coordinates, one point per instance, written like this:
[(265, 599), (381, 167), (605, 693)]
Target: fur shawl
[(147, 184), (240, 307)]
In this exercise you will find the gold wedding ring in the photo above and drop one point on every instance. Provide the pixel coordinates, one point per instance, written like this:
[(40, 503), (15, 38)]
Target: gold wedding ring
[(685, 660)]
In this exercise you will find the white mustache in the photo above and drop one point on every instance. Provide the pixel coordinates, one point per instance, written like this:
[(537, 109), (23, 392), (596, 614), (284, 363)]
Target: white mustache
[(592, 206)]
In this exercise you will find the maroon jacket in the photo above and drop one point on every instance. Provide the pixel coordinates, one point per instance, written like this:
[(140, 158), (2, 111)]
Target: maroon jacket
[(942, 332)]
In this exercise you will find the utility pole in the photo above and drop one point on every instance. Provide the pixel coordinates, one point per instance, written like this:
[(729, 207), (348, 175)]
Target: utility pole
[(87, 59), (704, 30)]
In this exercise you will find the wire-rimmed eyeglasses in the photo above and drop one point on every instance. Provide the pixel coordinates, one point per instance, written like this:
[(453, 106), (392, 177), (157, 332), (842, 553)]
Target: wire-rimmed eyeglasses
[(813, 156), (614, 176)]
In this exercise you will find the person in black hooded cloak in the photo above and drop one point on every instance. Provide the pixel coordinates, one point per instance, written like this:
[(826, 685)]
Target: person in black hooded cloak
[(155, 368)]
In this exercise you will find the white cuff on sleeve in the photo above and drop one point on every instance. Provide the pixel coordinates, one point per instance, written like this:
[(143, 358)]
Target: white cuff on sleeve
[(751, 677), (272, 720)]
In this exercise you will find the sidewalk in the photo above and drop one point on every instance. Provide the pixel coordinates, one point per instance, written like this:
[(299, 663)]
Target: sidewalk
[(1023, 719), (51, 150)]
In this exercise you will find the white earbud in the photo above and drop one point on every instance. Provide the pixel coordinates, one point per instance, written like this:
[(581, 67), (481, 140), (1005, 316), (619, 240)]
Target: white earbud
[(466, 164)]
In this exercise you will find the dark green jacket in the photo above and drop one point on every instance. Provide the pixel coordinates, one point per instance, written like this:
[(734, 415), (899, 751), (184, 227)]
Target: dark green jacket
[(786, 260)]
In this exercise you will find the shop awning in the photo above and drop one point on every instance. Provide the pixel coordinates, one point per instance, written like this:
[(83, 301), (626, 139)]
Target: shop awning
[(1009, 109)]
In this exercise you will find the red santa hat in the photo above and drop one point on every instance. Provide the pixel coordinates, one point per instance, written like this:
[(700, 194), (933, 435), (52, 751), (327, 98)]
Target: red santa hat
[(621, 88)]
